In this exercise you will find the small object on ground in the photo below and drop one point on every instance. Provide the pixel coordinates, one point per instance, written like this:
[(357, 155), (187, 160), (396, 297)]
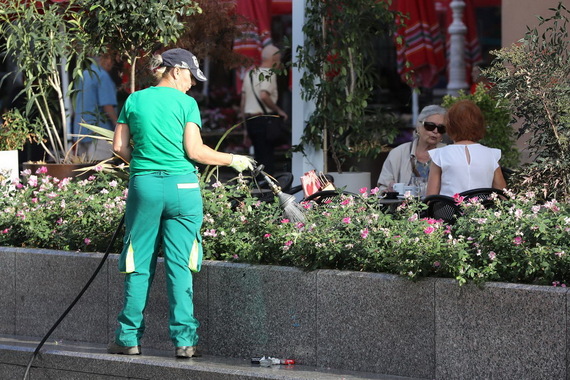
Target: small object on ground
[(269, 361)]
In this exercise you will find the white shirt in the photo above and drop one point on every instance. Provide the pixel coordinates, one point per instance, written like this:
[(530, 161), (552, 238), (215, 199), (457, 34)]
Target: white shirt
[(458, 173), (268, 83)]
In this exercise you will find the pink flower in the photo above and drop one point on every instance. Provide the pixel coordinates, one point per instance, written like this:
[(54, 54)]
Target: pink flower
[(52, 195), (87, 241), (5, 231), (41, 170), (289, 243), (235, 256), (59, 221), (364, 233), (346, 220), (492, 255), (99, 168), (34, 200), (428, 230), (267, 236), (517, 240), (374, 191), (458, 199), (91, 178), (33, 181), (345, 202), (437, 264), (216, 184), (431, 221), (306, 205), (284, 220), (363, 190), (299, 225), (559, 254)]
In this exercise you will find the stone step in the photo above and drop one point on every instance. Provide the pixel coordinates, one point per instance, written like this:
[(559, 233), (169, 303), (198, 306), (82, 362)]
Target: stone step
[(80, 360)]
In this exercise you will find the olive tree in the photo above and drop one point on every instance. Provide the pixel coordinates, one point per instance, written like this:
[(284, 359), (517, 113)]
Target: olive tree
[(133, 28), (533, 75)]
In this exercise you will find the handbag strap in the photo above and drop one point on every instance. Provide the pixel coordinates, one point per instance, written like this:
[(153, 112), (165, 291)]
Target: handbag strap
[(254, 94)]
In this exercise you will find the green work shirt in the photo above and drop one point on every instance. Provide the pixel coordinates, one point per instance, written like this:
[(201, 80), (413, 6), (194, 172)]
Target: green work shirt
[(156, 117)]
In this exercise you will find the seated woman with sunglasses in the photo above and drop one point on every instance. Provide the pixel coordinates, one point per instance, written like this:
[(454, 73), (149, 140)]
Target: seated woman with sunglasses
[(466, 164), (411, 159)]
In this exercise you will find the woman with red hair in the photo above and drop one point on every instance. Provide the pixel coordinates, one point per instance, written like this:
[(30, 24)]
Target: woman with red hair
[(466, 164)]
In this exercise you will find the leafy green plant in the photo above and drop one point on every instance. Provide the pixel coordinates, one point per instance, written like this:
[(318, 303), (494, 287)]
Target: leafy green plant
[(500, 134), (15, 131), (520, 240), (533, 75), (135, 27), (44, 38), (338, 73)]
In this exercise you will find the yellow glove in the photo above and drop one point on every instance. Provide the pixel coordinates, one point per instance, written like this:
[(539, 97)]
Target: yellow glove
[(240, 163)]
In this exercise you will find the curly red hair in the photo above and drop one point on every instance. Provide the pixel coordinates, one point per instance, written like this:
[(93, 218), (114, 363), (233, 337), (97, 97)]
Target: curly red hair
[(465, 121)]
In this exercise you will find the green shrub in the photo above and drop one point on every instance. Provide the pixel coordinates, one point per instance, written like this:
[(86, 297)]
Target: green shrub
[(519, 240), (533, 76), (500, 133)]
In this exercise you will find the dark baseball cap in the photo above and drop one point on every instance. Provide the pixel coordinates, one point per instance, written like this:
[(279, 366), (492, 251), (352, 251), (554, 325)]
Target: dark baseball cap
[(182, 58)]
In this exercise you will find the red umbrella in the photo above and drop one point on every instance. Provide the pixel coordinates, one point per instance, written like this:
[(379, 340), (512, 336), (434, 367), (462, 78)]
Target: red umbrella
[(256, 29), (255, 32), (281, 7), (420, 43)]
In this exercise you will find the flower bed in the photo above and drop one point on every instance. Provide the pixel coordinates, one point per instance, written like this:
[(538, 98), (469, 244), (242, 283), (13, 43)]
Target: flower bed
[(519, 240)]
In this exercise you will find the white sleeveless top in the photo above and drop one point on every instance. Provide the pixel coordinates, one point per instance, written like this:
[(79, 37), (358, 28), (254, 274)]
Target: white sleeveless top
[(457, 174)]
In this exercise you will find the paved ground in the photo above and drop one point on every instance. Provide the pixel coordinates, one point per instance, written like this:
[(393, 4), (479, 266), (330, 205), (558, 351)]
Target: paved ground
[(67, 360)]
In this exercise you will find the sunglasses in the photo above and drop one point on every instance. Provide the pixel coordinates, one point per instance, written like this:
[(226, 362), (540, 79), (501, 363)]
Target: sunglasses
[(430, 126)]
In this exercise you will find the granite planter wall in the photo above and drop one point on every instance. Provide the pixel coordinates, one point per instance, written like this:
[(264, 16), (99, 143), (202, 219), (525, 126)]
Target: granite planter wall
[(431, 329)]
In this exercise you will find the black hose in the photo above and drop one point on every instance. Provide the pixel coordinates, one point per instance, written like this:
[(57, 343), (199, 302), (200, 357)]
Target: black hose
[(107, 251)]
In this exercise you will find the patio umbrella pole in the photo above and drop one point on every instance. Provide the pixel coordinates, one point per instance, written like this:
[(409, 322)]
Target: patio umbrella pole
[(97, 270)]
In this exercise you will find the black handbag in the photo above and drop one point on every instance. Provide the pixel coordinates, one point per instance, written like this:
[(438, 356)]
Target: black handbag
[(276, 131)]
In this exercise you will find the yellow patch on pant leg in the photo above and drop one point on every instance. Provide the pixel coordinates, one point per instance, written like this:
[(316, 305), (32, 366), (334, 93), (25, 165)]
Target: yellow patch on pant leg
[(195, 259), (130, 260)]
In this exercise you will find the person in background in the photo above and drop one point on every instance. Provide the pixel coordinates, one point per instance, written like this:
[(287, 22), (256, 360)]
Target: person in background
[(164, 204), (259, 97), (95, 104), (466, 164), (411, 159)]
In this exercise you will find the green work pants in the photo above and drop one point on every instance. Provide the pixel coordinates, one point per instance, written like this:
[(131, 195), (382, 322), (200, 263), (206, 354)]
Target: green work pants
[(161, 209)]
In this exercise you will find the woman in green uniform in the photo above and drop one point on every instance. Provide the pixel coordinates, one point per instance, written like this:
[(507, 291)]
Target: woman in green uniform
[(164, 205)]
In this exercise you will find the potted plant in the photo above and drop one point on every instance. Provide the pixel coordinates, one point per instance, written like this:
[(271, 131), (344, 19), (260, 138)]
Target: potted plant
[(339, 77), (44, 38), (14, 132)]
